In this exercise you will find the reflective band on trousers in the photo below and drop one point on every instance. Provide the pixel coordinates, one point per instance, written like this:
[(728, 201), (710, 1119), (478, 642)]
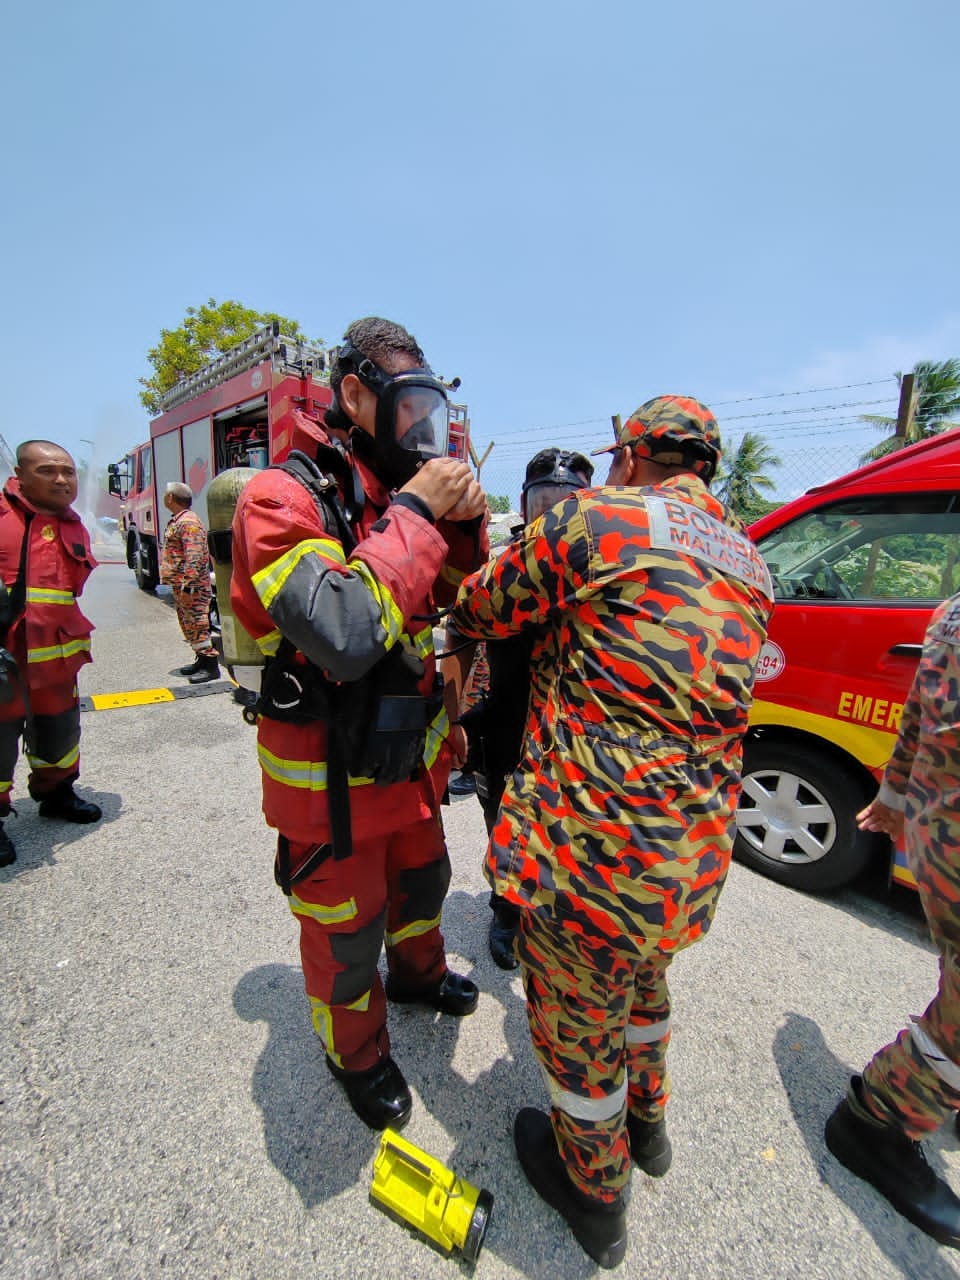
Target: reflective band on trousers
[(65, 762), (415, 929), (323, 1022), (53, 651), (336, 914), (948, 1071), (649, 1034), (579, 1107)]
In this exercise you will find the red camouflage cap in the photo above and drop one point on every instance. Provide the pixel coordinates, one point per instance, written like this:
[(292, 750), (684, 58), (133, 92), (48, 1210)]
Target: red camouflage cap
[(675, 430)]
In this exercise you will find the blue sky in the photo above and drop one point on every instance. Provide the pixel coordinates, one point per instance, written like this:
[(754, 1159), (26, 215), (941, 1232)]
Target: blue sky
[(573, 207)]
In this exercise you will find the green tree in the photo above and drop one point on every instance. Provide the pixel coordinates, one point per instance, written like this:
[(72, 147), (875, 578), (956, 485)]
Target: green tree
[(206, 331), (739, 483), (499, 504), (937, 391)]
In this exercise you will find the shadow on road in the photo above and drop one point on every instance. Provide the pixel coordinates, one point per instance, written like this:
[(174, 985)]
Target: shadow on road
[(815, 1080), (37, 840)]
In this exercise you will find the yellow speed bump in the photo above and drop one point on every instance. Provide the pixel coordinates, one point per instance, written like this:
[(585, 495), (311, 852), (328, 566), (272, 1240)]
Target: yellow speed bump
[(139, 698)]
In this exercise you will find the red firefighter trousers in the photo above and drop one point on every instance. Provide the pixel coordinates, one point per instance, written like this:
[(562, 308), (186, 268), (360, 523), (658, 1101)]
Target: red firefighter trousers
[(390, 891), (51, 737)]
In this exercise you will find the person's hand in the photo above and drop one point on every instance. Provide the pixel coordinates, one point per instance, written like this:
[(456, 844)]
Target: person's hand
[(446, 484), (878, 816), (458, 744)]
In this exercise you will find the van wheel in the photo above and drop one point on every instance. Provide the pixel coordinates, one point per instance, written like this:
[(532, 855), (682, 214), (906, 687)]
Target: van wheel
[(143, 564), (796, 821)]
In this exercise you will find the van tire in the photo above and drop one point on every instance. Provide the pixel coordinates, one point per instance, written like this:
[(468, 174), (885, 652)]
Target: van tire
[(146, 574), (796, 822)]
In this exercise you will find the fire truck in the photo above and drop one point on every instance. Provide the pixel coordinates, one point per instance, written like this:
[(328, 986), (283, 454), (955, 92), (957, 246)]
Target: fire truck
[(858, 566), (235, 411)]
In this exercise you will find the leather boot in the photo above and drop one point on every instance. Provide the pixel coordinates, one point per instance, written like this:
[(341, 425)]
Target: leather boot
[(209, 669), (501, 939), (600, 1228), (65, 804), (380, 1096), (8, 853), (194, 667), (453, 994), (895, 1164), (649, 1145)]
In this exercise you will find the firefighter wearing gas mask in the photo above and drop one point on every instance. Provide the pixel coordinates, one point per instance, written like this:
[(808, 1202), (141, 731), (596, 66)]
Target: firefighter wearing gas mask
[(338, 581)]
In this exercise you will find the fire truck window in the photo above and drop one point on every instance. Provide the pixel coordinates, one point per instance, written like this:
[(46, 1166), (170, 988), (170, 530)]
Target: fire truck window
[(147, 458), (884, 549)]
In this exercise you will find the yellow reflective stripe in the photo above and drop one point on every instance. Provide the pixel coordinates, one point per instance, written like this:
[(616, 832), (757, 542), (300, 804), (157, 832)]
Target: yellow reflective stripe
[(871, 747), (326, 915), (414, 930), (47, 595), (423, 642), (390, 615), (310, 775), (270, 580), (322, 1017), (53, 651), (437, 732), (579, 1107), (649, 1034), (67, 762), (270, 643), (5, 786)]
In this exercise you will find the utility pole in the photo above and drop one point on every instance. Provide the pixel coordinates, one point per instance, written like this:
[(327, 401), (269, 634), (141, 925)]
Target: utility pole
[(908, 402)]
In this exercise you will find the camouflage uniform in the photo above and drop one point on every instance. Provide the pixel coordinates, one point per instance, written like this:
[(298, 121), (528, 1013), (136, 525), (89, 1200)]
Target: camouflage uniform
[(647, 608), (185, 566), (916, 1080)]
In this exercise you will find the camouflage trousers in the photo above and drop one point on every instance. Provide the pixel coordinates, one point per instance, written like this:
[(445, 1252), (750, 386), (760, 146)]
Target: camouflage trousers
[(600, 1025), (916, 1080), (390, 890), (192, 601)]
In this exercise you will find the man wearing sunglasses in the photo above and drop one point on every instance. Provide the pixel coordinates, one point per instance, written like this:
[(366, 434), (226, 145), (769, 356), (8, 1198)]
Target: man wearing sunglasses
[(338, 576), (648, 606)]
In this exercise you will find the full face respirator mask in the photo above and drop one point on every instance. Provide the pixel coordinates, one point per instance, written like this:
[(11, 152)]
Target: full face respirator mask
[(413, 418)]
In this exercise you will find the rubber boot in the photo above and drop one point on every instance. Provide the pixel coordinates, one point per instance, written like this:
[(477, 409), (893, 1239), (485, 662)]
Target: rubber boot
[(649, 1145), (65, 804), (379, 1096), (194, 667), (600, 1228), (883, 1155), (209, 669)]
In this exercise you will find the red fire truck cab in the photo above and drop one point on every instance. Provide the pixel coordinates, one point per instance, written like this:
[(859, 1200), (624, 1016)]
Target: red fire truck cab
[(858, 566), (236, 411)]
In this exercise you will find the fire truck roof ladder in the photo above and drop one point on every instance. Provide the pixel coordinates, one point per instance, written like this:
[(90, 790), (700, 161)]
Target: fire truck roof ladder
[(289, 355)]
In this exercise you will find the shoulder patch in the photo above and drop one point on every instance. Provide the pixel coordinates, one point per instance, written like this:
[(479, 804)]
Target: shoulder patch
[(681, 527)]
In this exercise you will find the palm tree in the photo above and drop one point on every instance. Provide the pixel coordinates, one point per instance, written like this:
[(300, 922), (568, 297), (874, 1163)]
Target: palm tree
[(937, 391), (740, 484)]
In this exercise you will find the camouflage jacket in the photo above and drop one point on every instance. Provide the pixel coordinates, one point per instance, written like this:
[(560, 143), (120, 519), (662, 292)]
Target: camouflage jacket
[(924, 768), (649, 608), (185, 557)]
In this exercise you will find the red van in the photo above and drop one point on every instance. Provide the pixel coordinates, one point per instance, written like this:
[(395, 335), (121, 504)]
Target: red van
[(858, 566)]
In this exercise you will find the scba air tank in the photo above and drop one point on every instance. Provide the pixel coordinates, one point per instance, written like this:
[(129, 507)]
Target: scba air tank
[(240, 651)]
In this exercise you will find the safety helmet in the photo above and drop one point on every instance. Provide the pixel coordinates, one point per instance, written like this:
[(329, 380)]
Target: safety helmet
[(672, 431)]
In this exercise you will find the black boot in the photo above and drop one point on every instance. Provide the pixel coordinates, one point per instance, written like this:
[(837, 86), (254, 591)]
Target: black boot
[(66, 805), (600, 1228), (380, 1096), (453, 994), (193, 668), (8, 853), (895, 1164), (649, 1145), (209, 669), (501, 939)]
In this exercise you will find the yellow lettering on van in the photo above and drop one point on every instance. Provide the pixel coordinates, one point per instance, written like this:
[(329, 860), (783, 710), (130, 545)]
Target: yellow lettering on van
[(861, 708), (894, 716), (843, 708), (879, 711)]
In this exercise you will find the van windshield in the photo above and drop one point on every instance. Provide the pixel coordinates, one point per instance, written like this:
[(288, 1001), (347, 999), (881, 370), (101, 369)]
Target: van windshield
[(886, 547)]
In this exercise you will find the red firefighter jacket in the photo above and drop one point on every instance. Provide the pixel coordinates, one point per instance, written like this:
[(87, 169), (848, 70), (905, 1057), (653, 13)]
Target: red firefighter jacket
[(648, 609), (343, 612), (51, 638)]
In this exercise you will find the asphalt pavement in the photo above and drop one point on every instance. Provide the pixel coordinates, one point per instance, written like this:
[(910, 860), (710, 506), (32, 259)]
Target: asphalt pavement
[(165, 1111)]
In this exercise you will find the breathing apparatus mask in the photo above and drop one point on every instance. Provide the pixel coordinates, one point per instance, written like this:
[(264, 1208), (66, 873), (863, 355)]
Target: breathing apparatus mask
[(412, 421), (550, 476)]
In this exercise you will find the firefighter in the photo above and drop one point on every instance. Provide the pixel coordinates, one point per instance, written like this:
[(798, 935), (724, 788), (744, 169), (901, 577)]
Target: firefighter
[(340, 593), (910, 1087), (495, 725), (185, 566), (648, 606), (45, 559)]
